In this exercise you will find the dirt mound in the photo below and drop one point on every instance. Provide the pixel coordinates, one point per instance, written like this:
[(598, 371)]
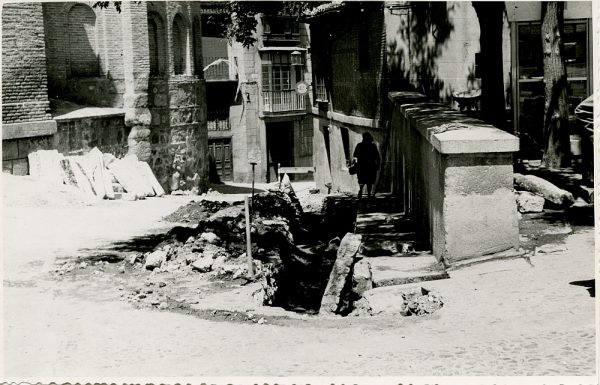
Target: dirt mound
[(195, 212), (25, 191)]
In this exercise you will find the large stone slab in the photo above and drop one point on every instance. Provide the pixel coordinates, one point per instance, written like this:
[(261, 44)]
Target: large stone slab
[(99, 175), (540, 186), (45, 165), (74, 175), (340, 274), (126, 172), (148, 175), (400, 270)]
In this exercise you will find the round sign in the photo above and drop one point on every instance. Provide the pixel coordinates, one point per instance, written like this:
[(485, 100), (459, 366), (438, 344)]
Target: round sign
[(301, 87)]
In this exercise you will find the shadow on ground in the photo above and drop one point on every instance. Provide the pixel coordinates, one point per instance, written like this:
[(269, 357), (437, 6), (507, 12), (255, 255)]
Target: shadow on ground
[(589, 284), (229, 189)]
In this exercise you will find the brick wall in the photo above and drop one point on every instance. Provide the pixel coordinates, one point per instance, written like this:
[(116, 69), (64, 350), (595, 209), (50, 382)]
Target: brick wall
[(83, 48), (84, 53), (24, 76)]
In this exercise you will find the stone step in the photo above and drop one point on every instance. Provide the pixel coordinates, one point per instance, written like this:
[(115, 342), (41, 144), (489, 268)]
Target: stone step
[(404, 269)]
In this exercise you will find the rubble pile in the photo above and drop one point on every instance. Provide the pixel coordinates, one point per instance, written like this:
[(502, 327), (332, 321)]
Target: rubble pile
[(194, 212), (413, 301), (291, 261), (96, 175)]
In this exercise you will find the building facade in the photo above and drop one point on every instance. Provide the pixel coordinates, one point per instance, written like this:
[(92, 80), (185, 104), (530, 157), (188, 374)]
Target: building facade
[(361, 51), (127, 82), (255, 114)]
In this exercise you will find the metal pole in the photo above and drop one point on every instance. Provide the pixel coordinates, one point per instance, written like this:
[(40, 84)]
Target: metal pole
[(248, 240), (253, 164)]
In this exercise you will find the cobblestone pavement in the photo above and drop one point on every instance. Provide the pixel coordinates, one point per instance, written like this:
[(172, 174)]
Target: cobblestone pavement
[(500, 318)]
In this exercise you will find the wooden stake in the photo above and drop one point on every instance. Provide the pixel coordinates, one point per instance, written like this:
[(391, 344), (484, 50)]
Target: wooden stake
[(248, 240)]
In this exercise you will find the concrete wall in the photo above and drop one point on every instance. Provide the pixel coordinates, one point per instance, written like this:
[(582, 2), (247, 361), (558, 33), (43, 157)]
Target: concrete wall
[(457, 184)]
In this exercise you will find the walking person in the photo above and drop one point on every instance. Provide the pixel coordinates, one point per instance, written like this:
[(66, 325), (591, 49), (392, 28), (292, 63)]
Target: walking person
[(367, 159)]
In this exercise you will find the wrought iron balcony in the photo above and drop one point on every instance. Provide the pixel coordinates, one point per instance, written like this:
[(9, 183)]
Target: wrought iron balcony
[(218, 120), (283, 101)]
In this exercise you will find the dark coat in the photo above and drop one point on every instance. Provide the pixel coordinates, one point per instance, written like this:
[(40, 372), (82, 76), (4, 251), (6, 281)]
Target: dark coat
[(368, 160)]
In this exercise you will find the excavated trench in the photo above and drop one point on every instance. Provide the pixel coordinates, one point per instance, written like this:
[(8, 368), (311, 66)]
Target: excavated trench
[(297, 265)]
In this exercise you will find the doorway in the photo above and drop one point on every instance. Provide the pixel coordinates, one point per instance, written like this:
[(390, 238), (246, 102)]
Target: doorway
[(221, 164), (280, 147)]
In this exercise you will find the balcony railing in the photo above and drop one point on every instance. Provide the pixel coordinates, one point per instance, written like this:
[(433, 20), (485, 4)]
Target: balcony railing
[(223, 70), (218, 120), (281, 101)]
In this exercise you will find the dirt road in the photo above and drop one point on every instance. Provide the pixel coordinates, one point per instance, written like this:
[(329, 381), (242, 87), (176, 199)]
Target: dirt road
[(501, 318)]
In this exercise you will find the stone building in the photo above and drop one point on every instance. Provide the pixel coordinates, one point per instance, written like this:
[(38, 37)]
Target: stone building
[(77, 77), (254, 112), (363, 50)]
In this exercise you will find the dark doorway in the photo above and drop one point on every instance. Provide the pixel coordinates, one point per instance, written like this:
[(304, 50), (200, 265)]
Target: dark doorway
[(221, 159), (280, 147)]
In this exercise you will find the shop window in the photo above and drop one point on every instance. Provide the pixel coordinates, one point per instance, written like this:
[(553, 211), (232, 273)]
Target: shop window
[(83, 55), (530, 82)]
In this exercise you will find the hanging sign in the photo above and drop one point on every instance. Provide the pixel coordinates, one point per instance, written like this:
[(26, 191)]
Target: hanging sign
[(301, 87)]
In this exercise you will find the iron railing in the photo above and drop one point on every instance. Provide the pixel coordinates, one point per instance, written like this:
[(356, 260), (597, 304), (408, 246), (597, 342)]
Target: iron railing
[(218, 120), (281, 101)]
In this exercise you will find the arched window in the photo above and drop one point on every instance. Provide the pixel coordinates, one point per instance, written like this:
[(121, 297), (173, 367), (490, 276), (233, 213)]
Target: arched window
[(83, 57), (179, 45), (156, 44), (197, 47)]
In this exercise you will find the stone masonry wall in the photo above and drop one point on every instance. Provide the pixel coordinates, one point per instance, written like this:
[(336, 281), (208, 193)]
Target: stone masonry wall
[(79, 136), (24, 77)]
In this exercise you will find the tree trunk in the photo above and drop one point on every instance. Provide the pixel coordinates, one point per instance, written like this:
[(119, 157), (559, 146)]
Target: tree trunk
[(556, 113), (491, 20)]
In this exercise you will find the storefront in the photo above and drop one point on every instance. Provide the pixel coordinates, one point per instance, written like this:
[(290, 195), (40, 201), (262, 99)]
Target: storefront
[(528, 67)]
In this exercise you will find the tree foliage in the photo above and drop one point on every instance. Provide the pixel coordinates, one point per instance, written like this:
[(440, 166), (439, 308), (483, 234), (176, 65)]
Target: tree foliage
[(237, 19)]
